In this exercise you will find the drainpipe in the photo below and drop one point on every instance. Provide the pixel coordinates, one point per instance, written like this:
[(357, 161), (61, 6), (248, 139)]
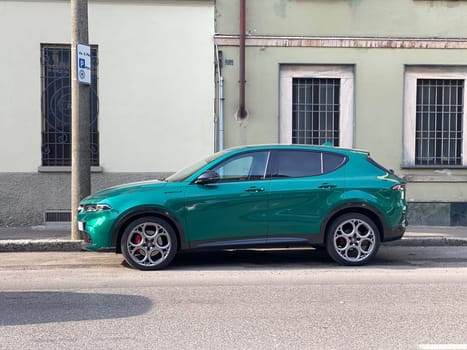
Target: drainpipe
[(221, 113), (220, 103), (242, 113)]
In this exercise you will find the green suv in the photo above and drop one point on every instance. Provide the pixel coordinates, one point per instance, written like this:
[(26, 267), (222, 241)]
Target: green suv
[(252, 196)]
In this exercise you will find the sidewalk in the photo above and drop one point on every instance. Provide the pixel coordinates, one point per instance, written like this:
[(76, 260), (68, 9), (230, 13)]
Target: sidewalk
[(58, 238), (432, 236), (37, 238)]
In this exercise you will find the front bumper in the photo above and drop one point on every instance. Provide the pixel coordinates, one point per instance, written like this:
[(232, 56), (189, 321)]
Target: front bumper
[(84, 235), (89, 244), (95, 230)]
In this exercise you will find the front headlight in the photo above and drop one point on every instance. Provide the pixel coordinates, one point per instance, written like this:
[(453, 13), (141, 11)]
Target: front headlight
[(93, 208)]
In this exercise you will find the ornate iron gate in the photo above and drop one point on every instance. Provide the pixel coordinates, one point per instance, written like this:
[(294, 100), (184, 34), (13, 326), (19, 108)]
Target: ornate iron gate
[(56, 106)]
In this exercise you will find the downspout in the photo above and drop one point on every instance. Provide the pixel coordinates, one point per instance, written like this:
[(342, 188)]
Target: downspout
[(221, 113), (220, 103), (242, 113)]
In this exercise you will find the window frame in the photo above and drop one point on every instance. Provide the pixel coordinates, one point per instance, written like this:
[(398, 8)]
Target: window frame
[(346, 74), (411, 75)]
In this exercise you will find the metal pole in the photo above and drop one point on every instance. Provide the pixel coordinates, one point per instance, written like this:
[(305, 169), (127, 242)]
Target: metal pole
[(80, 116), (241, 105)]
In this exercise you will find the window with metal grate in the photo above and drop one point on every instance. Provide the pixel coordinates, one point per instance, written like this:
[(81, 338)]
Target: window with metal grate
[(56, 106), (439, 116), (317, 104), (315, 110)]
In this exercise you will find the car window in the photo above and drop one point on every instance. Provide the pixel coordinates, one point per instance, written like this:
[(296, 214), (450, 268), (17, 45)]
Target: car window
[(296, 164), (243, 167), (332, 161)]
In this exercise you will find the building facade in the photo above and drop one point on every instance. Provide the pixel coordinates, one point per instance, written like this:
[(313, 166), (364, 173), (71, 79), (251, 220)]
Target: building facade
[(175, 80), (386, 76), (152, 107)]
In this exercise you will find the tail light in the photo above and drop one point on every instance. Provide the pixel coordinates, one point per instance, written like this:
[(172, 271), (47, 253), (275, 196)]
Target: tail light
[(400, 188)]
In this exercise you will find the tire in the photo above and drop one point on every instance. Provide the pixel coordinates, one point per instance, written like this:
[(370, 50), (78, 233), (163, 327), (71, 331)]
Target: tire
[(149, 243), (352, 239)]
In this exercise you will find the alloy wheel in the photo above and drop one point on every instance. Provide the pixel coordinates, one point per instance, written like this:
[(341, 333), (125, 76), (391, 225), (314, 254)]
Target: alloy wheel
[(149, 245), (354, 240)]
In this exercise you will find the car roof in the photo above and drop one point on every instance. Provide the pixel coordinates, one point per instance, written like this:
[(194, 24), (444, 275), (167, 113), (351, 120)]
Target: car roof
[(298, 147)]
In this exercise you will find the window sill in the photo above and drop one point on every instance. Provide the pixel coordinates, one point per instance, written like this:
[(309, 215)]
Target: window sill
[(435, 167), (65, 169), (446, 177)]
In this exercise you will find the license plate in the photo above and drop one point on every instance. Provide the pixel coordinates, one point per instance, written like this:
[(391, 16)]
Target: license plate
[(80, 226)]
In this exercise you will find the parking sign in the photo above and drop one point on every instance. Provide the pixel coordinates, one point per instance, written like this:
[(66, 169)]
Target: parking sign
[(83, 57)]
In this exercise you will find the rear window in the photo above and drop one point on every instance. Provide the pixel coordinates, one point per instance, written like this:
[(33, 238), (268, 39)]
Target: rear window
[(300, 163), (332, 161), (296, 164)]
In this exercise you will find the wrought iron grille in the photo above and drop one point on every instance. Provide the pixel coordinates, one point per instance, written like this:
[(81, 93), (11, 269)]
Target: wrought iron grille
[(315, 110), (56, 106), (439, 118)]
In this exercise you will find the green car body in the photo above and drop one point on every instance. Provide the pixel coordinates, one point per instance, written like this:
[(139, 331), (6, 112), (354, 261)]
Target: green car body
[(250, 196)]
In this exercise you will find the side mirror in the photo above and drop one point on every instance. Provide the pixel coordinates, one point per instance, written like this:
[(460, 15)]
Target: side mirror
[(208, 177)]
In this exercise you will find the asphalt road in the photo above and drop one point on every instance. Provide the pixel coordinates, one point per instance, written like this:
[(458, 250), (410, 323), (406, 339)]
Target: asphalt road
[(408, 298)]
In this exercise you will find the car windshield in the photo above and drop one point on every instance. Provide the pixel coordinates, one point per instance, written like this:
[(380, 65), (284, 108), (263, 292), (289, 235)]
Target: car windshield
[(185, 173)]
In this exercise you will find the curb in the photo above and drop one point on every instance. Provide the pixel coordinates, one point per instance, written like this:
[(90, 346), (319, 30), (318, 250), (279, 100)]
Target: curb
[(40, 245), (66, 245), (428, 242)]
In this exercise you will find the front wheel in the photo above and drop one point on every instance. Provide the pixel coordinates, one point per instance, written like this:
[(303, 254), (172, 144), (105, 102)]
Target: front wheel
[(149, 243), (352, 239)]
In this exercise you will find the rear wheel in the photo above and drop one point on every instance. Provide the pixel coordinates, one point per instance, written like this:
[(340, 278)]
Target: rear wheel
[(149, 243), (352, 239)]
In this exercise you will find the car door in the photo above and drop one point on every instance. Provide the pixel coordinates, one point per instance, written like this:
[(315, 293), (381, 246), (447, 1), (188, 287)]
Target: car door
[(234, 208), (304, 187)]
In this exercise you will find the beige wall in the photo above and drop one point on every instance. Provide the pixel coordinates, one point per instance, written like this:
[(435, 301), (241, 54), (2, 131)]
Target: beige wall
[(156, 76), (379, 105), (379, 67), (371, 18)]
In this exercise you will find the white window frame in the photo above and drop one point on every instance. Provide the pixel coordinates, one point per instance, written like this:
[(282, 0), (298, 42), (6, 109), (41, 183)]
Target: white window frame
[(412, 73), (346, 100)]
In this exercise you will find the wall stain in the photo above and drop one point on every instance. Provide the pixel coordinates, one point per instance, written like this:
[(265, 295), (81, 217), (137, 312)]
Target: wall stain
[(350, 3), (280, 8)]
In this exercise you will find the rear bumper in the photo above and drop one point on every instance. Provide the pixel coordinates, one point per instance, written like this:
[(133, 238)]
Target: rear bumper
[(394, 233)]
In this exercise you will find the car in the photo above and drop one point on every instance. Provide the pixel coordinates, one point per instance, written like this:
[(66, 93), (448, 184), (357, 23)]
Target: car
[(249, 197)]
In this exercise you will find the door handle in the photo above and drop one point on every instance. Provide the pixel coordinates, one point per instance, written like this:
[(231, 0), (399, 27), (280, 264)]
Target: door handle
[(326, 185), (255, 189)]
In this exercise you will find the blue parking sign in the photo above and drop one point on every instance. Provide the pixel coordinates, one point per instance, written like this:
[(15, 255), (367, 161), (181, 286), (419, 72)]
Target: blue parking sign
[(83, 55), (82, 63)]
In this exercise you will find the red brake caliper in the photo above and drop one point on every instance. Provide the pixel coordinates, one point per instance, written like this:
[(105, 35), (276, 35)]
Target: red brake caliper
[(137, 239)]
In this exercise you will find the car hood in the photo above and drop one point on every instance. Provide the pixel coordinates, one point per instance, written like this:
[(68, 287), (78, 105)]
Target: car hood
[(124, 189)]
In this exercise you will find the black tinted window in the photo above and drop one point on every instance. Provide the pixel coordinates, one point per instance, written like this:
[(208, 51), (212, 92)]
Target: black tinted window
[(296, 164), (332, 161)]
